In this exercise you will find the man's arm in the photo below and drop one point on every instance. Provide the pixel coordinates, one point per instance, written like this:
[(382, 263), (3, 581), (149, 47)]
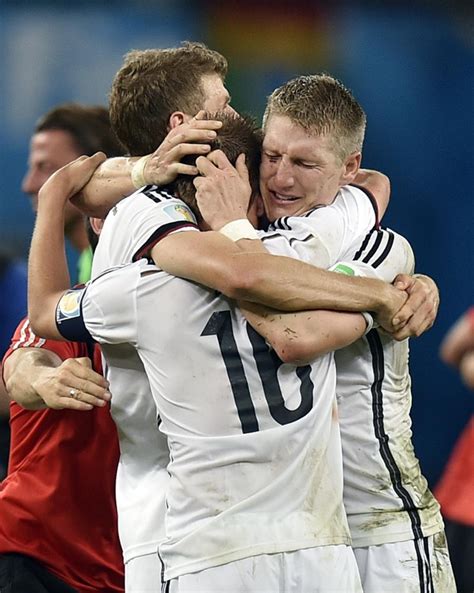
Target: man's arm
[(282, 283), (457, 348), (48, 275), (37, 378), (299, 338), (279, 282), (113, 179), (377, 184)]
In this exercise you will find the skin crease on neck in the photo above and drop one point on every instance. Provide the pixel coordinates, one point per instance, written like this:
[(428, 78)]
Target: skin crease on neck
[(299, 170), (49, 151)]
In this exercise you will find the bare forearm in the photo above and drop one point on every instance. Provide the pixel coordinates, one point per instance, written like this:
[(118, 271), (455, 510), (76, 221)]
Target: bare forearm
[(298, 338), (48, 274), (110, 183), (290, 285), (282, 283), (22, 369), (377, 184)]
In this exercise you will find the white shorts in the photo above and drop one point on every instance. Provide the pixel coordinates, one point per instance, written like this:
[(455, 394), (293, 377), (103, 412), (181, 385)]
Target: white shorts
[(143, 574), (325, 569), (403, 567)]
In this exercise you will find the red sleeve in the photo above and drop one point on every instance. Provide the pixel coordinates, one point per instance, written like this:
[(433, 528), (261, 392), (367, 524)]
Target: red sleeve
[(25, 338)]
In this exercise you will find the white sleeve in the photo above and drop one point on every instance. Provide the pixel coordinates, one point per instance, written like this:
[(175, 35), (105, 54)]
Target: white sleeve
[(384, 255), (326, 234), (137, 223), (109, 306)]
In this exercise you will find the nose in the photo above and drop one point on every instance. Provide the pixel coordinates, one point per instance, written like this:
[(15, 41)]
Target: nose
[(284, 174), (31, 183)]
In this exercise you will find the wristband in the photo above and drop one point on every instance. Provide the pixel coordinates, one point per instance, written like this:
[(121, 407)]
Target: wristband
[(369, 320), (137, 173), (239, 229)]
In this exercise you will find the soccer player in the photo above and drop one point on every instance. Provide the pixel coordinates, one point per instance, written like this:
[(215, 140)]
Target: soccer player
[(273, 439), (312, 128), (175, 218), (60, 136)]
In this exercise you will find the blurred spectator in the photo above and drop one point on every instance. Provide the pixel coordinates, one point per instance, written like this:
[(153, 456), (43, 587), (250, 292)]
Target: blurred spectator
[(61, 135), (455, 491), (13, 282), (58, 521)]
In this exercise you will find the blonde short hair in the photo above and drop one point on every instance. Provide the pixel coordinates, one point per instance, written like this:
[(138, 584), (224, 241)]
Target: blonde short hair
[(321, 105)]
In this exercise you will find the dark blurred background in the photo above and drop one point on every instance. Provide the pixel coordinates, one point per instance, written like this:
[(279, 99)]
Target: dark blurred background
[(410, 64)]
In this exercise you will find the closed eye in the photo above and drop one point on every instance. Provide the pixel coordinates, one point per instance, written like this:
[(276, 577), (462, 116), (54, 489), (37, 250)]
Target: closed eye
[(273, 158), (306, 165)]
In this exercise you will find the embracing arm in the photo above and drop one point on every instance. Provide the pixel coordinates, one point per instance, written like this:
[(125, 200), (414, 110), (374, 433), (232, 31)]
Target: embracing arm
[(113, 179), (37, 378), (279, 282), (377, 184), (48, 275), (299, 338)]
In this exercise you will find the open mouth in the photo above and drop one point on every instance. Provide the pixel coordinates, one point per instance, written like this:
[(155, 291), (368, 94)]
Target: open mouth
[(283, 198)]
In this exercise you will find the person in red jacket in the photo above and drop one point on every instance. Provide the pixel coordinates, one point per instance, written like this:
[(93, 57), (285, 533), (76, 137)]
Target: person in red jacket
[(58, 521), (455, 490)]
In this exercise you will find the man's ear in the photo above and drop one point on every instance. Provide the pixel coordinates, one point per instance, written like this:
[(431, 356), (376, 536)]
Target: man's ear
[(351, 168), (96, 224), (176, 119)]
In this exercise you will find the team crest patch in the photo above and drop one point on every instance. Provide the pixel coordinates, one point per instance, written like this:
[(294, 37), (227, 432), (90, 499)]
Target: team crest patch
[(70, 305), (179, 212)]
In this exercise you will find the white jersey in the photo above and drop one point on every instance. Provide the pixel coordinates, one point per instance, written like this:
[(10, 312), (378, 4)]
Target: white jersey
[(327, 234), (128, 232), (386, 497), (136, 223), (255, 454)]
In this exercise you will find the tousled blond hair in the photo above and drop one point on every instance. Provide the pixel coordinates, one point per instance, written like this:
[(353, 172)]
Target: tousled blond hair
[(152, 84), (321, 105)]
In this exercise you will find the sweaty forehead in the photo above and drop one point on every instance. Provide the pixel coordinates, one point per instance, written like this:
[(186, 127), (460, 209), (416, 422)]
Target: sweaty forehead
[(283, 136)]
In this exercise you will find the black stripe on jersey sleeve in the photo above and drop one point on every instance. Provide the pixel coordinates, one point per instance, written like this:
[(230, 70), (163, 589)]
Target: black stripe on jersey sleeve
[(386, 251), (376, 254), (374, 247), (156, 194), (373, 201), (290, 241), (363, 245), (378, 367), (159, 234)]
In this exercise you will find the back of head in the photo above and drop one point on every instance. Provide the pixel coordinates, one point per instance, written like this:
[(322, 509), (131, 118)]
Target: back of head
[(154, 83), (238, 134), (321, 105), (89, 125)]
